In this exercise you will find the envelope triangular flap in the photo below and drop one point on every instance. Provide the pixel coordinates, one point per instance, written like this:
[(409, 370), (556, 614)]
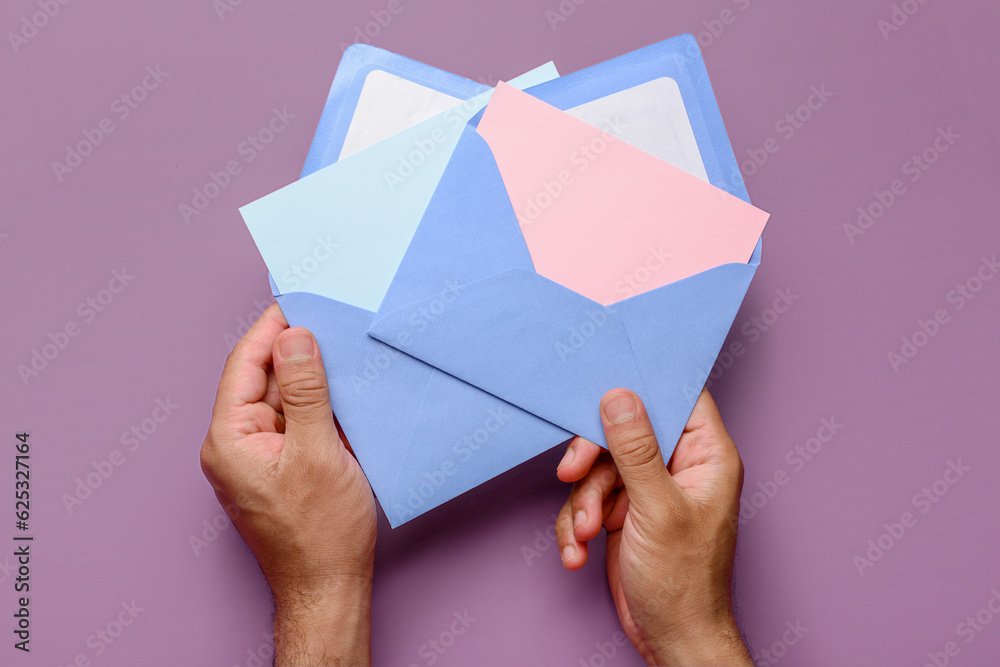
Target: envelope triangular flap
[(528, 341), (469, 228), (532, 342), (487, 315), (676, 333)]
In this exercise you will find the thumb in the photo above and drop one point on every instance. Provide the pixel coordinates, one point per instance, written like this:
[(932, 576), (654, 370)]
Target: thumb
[(302, 385), (634, 448)]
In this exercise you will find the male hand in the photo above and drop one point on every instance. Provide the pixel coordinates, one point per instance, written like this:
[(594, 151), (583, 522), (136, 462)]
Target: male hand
[(295, 493), (671, 531)]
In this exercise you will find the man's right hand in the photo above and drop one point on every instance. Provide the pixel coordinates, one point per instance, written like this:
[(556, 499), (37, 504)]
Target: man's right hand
[(671, 532)]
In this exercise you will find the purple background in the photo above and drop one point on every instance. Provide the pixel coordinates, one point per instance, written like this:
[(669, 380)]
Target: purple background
[(166, 335)]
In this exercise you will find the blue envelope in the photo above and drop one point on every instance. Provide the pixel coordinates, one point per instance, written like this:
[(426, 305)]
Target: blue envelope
[(536, 344), (421, 436)]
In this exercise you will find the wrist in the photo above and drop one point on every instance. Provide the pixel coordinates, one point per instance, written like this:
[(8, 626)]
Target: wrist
[(323, 626), (718, 643)]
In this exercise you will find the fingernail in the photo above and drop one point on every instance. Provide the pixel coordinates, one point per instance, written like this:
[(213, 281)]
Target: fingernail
[(567, 458), (296, 346), (568, 553), (621, 408), (579, 518)]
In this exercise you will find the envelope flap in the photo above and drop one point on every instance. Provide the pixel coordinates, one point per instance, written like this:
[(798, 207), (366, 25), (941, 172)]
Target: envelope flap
[(524, 339), (469, 228), (676, 333)]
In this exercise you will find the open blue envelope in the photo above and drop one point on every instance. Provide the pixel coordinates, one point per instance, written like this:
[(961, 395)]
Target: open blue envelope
[(502, 324), (421, 436)]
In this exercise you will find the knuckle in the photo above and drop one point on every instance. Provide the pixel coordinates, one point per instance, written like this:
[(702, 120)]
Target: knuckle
[(239, 350), (564, 524), (738, 467), (304, 390), (608, 478), (597, 483), (637, 449), (209, 454), (730, 458), (207, 457), (577, 500)]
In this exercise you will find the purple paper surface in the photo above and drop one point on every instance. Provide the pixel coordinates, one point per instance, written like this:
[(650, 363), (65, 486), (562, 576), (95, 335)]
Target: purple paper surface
[(223, 98)]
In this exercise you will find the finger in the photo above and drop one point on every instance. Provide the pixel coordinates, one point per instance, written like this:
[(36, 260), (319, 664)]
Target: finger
[(615, 510), (705, 413), (634, 448), (244, 378), (587, 498), (305, 394), (580, 456), (572, 551), (272, 396), (705, 441)]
